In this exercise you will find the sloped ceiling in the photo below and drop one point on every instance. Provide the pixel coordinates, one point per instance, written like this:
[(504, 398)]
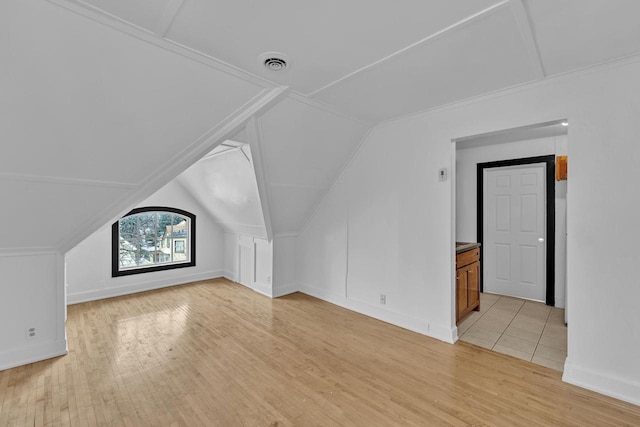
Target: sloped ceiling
[(304, 148), (225, 185), (87, 114), (103, 97), (380, 59)]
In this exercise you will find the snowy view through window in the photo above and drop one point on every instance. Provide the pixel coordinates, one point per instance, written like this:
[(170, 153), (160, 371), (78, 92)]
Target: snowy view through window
[(152, 238)]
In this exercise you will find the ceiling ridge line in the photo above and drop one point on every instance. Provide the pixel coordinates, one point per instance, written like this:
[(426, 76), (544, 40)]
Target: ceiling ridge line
[(109, 20), (460, 24), (64, 180)]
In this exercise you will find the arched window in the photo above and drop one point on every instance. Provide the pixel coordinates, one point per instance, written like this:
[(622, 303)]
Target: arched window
[(151, 239)]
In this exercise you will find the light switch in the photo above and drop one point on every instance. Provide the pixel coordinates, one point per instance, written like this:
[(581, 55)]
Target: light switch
[(442, 174)]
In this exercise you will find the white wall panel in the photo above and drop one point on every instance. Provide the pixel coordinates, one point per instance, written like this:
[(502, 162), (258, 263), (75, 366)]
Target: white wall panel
[(322, 246), (32, 293)]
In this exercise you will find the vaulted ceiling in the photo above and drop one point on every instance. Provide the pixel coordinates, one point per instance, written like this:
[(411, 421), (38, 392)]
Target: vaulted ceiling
[(379, 59), (104, 101)]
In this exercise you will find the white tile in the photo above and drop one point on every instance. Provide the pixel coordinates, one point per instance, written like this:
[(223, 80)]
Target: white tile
[(551, 353), (467, 322), (491, 324), (487, 300), (514, 331), (557, 342), (528, 324), (480, 336), (517, 344), (558, 366), (479, 341), (513, 352)]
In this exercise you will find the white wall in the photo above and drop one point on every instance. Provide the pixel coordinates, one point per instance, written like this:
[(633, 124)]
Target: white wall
[(467, 159), (89, 263), (263, 264), (374, 234), (231, 256), (401, 226), (32, 290), (284, 273), (255, 269)]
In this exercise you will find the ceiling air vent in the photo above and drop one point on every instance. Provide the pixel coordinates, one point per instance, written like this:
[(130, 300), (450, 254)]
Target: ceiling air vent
[(274, 61)]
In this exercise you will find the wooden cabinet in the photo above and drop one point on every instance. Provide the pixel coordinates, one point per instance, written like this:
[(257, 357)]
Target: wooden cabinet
[(467, 283)]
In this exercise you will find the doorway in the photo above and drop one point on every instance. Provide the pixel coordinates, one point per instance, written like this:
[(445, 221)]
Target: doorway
[(516, 227), (523, 328)]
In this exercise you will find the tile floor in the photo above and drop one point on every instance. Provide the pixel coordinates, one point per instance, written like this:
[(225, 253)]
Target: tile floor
[(524, 329)]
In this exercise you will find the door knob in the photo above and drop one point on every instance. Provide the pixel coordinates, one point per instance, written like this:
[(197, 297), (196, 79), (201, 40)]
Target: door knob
[(540, 239)]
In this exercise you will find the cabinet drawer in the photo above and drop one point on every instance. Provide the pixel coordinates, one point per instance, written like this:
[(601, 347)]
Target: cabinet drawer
[(467, 257)]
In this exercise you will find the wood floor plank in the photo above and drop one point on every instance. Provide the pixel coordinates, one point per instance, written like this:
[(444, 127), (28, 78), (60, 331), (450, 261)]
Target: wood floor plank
[(217, 354)]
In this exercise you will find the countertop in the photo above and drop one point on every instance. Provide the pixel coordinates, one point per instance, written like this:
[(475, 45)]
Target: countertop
[(465, 246)]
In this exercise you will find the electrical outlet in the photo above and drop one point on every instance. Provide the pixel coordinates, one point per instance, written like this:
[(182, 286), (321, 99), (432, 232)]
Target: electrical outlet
[(383, 299), (31, 333)]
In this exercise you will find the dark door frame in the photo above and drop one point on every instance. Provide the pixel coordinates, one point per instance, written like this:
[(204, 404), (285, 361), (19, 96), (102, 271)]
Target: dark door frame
[(550, 166)]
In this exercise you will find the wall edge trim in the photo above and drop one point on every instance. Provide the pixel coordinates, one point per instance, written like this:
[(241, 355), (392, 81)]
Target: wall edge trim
[(420, 326), (150, 285), (26, 355), (602, 383)]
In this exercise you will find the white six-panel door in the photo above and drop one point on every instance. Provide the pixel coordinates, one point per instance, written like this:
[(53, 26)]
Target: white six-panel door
[(514, 230)]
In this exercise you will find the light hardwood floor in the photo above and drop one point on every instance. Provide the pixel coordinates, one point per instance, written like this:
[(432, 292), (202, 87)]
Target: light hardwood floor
[(217, 354)]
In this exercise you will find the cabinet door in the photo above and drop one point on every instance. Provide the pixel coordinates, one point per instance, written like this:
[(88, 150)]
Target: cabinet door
[(461, 291), (473, 283)]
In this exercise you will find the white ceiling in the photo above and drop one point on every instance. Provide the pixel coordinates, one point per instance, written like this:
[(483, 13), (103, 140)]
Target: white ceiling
[(304, 149), (574, 34), (104, 101), (381, 59), (429, 74), (88, 114), (225, 185)]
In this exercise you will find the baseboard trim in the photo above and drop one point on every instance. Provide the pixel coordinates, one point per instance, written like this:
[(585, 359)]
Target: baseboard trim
[(262, 288), (423, 327), (99, 294), (284, 290), (615, 387), (24, 356), (229, 275)]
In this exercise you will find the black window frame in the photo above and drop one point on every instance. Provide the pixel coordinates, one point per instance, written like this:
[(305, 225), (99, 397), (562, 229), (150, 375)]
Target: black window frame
[(115, 243)]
